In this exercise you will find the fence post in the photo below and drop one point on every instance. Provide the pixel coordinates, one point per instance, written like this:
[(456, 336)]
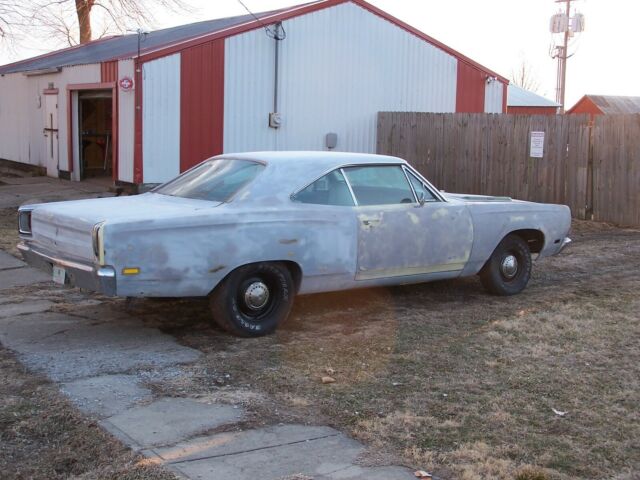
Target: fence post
[(589, 208)]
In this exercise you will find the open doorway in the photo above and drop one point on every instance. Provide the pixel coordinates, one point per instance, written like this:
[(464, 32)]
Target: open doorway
[(95, 135)]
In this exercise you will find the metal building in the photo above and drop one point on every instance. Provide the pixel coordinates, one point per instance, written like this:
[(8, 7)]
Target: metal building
[(606, 105), (524, 102), (141, 109)]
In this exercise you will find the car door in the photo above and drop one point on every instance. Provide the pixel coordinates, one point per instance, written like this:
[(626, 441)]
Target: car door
[(403, 227)]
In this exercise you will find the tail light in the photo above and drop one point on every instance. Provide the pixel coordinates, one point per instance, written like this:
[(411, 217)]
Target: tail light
[(24, 221), (98, 248)]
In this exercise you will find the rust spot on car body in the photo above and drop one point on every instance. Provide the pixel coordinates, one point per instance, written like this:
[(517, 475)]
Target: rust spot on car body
[(288, 241), (217, 269)]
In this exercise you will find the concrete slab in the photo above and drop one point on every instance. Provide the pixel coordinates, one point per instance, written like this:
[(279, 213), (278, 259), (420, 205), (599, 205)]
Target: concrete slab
[(329, 457), (169, 420), (26, 180), (20, 277), (106, 395), (9, 261), (8, 310), (66, 348), (231, 443)]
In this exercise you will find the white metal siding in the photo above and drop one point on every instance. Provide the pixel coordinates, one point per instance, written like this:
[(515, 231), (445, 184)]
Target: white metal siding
[(161, 119), (248, 92), (22, 116), (16, 103), (126, 118), (493, 97), (338, 67)]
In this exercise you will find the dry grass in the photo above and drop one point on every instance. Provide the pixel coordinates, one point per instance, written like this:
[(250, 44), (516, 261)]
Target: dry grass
[(9, 230), (446, 378), (43, 437)]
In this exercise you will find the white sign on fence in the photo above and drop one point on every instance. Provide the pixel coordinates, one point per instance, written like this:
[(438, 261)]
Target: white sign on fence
[(537, 145)]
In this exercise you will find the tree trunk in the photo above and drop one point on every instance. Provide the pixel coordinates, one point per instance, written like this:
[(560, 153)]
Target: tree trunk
[(83, 10)]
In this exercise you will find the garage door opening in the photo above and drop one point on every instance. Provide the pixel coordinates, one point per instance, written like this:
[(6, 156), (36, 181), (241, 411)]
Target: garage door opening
[(95, 133)]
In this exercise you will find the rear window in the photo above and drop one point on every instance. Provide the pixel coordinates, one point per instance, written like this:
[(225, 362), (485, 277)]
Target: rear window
[(331, 189), (214, 180)]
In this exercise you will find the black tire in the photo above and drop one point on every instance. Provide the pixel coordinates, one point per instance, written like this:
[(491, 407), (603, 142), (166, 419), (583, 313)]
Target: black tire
[(237, 306), (500, 275)]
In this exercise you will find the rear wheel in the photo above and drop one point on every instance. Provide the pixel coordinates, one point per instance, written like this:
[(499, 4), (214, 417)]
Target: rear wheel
[(254, 299), (508, 270)]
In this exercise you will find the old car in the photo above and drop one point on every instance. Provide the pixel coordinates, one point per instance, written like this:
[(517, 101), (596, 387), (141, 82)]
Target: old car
[(250, 231)]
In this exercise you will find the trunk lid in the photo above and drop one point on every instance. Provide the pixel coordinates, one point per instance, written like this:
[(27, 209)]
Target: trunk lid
[(66, 228)]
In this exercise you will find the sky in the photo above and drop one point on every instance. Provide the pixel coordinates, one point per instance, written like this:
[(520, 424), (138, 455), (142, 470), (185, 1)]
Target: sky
[(499, 34)]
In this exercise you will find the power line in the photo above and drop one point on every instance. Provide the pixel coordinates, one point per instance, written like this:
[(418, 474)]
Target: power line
[(277, 34)]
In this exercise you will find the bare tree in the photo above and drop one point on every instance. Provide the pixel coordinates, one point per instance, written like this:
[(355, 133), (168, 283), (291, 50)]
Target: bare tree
[(75, 21), (14, 16), (524, 76)]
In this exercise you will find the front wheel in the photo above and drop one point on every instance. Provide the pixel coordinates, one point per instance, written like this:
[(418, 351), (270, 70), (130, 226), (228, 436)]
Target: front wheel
[(508, 270), (254, 299)]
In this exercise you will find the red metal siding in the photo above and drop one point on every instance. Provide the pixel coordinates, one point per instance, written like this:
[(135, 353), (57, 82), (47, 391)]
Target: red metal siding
[(201, 102), (470, 89), (137, 148), (532, 110), (109, 71)]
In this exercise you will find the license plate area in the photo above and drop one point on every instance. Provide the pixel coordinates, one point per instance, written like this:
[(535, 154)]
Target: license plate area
[(59, 275)]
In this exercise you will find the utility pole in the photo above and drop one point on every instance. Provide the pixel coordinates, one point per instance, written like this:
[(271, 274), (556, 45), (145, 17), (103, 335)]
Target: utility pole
[(563, 23), (562, 61)]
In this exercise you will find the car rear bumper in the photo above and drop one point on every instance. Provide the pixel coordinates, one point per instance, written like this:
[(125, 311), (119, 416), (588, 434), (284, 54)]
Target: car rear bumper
[(83, 275)]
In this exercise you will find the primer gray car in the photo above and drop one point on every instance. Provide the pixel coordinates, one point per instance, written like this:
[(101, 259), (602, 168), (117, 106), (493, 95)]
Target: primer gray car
[(252, 230)]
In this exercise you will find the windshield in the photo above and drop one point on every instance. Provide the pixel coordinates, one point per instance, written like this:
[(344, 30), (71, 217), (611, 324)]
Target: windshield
[(213, 180)]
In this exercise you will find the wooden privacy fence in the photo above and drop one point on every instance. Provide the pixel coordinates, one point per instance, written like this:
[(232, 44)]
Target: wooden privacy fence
[(594, 167)]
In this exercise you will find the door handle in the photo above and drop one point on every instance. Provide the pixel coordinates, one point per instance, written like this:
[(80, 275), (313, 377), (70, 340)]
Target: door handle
[(371, 222)]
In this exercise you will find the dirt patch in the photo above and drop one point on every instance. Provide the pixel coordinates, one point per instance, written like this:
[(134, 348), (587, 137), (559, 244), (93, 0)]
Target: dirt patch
[(9, 230), (43, 437), (447, 378)]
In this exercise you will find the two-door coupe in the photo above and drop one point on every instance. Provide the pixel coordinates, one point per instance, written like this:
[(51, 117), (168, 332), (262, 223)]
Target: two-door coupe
[(252, 230)]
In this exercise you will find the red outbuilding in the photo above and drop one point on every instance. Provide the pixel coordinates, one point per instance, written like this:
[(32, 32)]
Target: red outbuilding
[(524, 102), (606, 105)]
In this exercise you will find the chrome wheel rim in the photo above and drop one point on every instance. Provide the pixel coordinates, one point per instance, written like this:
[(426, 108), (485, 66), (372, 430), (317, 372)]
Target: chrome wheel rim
[(509, 266), (256, 296)]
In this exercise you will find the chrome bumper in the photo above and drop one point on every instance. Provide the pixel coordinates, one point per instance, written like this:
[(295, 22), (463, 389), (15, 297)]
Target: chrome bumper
[(82, 275), (565, 242)]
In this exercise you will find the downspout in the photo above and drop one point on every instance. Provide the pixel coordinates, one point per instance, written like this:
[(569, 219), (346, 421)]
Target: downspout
[(275, 119), (276, 67)]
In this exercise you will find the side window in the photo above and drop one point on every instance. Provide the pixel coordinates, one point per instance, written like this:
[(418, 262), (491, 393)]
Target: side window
[(332, 189), (379, 185), (420, 188)]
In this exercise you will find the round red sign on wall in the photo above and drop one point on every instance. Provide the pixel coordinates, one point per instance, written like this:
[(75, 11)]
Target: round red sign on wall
[(126, 83)]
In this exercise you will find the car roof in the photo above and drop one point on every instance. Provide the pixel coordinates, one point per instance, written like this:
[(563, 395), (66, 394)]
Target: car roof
[(303, 159), (290, 171)]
